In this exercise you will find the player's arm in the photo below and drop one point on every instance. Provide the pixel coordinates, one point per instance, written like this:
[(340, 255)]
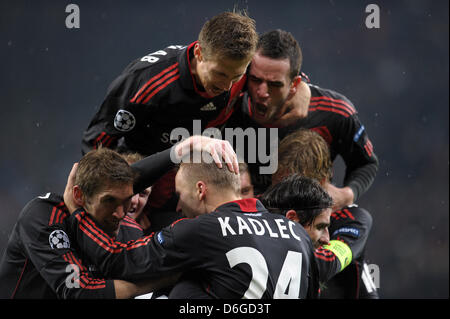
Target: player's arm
[(348, 236), (356, 149), (116, 118), (154, 166), (121, 112), (149, 257)]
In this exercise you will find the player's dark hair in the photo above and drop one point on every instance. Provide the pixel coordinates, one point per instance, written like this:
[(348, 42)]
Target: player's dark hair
[(229, 34), (280, 44), (299, 193), (102, 167)]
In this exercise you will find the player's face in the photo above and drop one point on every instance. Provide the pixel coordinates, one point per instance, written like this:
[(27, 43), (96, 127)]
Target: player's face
[(138, 202), (246, 186), (318, 230), (269, 86), (110, 205), (188, 202), (217, 74)]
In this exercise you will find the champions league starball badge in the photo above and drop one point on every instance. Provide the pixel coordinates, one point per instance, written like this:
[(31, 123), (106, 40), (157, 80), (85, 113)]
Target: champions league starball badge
[(124, 121), (58, 239)]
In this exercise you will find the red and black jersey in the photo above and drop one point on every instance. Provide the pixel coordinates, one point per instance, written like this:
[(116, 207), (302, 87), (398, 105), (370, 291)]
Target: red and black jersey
[(42, 261), (238, 251), (351, 226), (335, 118), (154, 95), (335, 263)]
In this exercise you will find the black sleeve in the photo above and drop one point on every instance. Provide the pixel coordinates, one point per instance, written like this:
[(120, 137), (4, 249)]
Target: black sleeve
[(351, 225), (49, 249), (349, 231), (164, 253), (120, 115), (356, 149), (151, 168)]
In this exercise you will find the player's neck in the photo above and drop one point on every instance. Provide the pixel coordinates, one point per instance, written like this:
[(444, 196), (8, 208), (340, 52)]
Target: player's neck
[(221, 198), (194, 71)]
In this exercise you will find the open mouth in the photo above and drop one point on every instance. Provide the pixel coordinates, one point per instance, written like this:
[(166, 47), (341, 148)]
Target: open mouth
[(260, 109)]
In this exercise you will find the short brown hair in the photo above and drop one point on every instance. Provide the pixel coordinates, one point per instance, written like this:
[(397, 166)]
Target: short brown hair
[(230, 34), (132, 157), (208, 172), (99, 168), (304, 152)]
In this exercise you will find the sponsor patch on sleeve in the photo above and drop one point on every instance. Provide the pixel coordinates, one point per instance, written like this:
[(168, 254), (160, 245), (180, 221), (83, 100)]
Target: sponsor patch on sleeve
[(354, 232), (358, 134)]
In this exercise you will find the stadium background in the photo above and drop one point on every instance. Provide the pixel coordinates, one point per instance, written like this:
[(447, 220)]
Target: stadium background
[(54, 78)]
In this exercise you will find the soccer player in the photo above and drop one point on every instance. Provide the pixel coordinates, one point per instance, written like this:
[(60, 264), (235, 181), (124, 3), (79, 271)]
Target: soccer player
[(275, 86), (42, 261), (234, 247), (170, 88), (306, 153)]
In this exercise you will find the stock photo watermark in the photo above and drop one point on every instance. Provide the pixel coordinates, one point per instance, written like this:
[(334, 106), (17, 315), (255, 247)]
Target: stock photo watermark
[(373, 18), (371, 277), (73, 279), (255, 150), (73, 17)]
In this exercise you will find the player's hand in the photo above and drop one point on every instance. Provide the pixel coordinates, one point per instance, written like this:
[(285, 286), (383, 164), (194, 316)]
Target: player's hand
[(220, 150), (295, 107), (68, 191), (342, 197)]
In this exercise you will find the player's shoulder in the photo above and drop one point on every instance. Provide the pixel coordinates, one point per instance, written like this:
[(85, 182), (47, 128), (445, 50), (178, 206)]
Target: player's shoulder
[(357, 212), (153, 74), (353, 208), (46, 209), (157, 61), (327, 100)]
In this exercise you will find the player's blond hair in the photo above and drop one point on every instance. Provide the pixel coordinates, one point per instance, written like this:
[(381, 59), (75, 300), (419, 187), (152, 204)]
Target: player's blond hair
[(229, 35), (304, 152)]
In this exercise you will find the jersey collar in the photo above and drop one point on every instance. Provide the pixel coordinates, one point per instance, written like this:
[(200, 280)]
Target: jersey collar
[(248, 205), (187, 78)]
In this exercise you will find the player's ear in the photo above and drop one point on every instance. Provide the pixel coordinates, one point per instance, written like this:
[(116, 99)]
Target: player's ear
[(201, 190), (198, 52), (294, 84), (292, 215), (78, 196)]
